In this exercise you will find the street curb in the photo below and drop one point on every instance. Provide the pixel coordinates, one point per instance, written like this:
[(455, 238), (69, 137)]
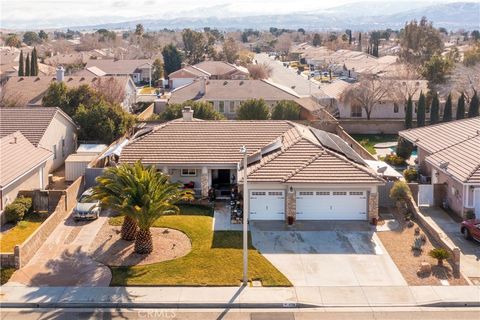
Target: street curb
[(172, 305)]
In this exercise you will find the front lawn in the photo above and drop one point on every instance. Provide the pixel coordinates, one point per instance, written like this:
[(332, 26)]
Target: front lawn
[(215, 259), (368, 141), (147, 90), (20, 232)]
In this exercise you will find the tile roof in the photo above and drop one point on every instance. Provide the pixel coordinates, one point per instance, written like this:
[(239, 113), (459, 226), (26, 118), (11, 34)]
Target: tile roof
[(230, 90), (15, 88), (207, 68), (113, 66), (440, 136), (300, 158), (13, 160), (202, 142), (461, 160), (32, 122)]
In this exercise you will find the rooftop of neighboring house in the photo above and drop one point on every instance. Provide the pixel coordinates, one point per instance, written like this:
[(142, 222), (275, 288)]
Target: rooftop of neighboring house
[(32, 122), (231, 90), (453, 146), (208, 68), (123, 67), (67, 58), (13, 160), (278, 151), (15, 90)]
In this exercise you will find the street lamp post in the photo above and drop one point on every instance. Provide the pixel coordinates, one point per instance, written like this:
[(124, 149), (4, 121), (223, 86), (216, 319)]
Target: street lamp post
[(243, 150)]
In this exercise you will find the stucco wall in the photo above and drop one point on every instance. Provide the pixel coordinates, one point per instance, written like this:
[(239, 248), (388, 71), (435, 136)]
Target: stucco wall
[(29, 182), (454, 193), (59, 129), (363, 126)]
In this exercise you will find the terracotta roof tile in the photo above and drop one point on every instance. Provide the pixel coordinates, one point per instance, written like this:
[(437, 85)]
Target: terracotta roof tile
[(13, 160)]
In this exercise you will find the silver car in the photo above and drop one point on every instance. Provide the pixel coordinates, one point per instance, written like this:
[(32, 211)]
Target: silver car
[(86, 209)]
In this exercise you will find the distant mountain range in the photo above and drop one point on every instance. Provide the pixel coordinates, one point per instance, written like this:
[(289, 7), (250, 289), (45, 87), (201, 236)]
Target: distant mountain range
[(357, 16)]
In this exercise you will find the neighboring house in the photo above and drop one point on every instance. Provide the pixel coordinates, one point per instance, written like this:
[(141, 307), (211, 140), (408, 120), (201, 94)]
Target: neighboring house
[(391, 107), (214, 70), (9, 65), (227, 95), (22, 166), (47, 128), (139, 70), (293, 170), (29, 91), (449, 154)]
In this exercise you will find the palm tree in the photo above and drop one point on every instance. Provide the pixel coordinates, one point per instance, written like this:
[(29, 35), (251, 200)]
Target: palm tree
[(142, 195), (112, 191), (154, 196)]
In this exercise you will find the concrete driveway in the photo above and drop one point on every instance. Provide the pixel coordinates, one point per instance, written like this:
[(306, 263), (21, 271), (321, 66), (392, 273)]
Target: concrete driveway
[(345, 256), (64, 259), (470, 249)]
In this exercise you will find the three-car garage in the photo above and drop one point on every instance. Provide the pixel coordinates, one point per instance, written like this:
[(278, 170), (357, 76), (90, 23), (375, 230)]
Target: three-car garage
[(311, 204)]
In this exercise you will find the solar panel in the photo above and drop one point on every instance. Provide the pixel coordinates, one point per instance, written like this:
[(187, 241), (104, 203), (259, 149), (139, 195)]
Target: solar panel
[(335, 143)]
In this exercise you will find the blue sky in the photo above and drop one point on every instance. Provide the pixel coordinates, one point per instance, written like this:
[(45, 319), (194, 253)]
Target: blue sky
[(56, 13)]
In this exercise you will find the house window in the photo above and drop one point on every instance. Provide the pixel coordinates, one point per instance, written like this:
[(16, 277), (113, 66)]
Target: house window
[(339, 193), (275, 193), (356, 193), (54, 150), (221, 106), (63, 148), (232, 107), (356, 111), (323, 193), (258, 193), (189, 172), (306, 193), (395, 107)]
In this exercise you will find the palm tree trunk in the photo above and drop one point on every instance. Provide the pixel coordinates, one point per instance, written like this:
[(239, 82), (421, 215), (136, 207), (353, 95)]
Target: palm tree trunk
[(129, 229), (143, 242)]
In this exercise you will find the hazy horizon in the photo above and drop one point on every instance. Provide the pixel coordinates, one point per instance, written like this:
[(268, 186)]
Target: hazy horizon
[(22, 14)]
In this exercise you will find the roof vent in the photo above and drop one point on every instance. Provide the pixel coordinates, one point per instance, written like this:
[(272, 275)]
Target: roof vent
[(14, 141), (187, 113), (225, 83), (241, 82)]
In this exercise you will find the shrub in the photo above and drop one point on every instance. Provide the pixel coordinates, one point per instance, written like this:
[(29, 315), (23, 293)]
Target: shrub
[(470, 214), (417, 244), (400, 191), (404, 148), (394, 160), (253, 109), (410, 174), (286, 110), (440, 254), (16, 210)]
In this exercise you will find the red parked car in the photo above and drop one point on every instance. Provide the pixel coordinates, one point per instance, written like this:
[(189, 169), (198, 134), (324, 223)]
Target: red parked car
[(471, 229)]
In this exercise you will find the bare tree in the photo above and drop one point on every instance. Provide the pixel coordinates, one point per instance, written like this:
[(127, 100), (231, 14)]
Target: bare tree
[(112, 90), (284, 42), (367, 93), (260, 71)]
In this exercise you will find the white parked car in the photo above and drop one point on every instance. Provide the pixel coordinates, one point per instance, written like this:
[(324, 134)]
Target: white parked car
[(86, 209)]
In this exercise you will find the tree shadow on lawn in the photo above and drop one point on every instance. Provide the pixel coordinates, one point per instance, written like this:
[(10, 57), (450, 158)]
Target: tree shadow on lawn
[(230, 240)]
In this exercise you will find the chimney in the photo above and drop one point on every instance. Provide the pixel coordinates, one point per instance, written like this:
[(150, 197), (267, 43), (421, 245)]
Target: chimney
[(187, 113), (60, 73), (203, 86)]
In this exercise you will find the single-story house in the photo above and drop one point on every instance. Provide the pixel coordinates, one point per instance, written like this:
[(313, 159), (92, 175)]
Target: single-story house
[(22, 167), (29, 91), (47, 128), (449, 153), (227, 95), (214, 70), (293, 170), (138, 69), (391, 106)]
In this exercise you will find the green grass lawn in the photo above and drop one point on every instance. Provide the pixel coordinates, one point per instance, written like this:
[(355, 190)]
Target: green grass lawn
[(5, 274), (369, 140), (20, 232), (215, 259)]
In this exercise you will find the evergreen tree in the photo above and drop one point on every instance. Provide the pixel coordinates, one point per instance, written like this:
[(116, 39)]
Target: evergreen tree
[(21, 69), (408, 113), (434, 109), (34, 63), (172, 59), (473, 110), (421, 111), (27, 65), (461, 107), (447, 111)]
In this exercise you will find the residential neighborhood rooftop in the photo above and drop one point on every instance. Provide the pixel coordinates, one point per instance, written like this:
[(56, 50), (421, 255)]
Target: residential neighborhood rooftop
[(18, 156)]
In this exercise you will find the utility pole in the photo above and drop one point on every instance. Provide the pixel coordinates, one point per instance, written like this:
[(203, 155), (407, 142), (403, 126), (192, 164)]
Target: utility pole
[(243, 150)]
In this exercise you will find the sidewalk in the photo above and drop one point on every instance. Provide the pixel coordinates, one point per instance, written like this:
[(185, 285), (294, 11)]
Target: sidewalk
[(237, 297)]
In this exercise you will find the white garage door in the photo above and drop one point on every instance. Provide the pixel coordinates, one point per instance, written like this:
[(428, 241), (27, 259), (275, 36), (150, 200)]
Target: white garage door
[(331, 205), (267, 205)]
